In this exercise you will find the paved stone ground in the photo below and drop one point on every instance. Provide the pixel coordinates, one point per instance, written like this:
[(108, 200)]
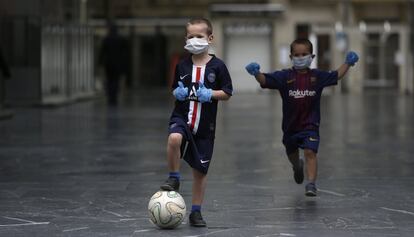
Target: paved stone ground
[(89, 170)]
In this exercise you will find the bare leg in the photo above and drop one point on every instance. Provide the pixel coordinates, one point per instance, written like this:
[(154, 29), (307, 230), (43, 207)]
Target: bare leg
[(173, 151), (199, 187), (173, 159), (311, 165)]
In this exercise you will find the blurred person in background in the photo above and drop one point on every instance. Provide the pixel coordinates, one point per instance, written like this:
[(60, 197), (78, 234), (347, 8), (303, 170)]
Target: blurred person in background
[(6, 75), (114, 58)]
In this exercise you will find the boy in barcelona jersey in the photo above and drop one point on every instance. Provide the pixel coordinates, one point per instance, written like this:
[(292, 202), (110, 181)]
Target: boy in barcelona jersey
[(301, 88)]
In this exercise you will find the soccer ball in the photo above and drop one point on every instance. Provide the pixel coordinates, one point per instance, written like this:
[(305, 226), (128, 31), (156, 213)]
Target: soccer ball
[(166, 209)]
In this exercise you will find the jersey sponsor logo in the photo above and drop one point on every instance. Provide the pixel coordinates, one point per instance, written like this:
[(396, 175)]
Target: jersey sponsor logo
[(182, 77), (297, 94), (193, 94)]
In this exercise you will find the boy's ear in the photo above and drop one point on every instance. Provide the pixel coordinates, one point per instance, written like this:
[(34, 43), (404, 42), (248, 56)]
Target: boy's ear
[(210, 38)]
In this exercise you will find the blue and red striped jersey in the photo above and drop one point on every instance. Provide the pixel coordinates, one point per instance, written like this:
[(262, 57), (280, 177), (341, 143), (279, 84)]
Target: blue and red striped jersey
[(301, 95)]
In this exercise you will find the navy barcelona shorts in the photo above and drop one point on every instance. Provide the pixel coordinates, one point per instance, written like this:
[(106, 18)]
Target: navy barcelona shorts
[(196, 151), (305, 140)]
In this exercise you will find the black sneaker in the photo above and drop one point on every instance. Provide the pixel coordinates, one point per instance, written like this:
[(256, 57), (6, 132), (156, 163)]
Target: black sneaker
[(298, 172), (196, 219), (310, 190), (171, 184)]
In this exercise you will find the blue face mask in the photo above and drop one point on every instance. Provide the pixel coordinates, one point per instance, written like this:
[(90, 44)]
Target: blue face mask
[(302, 62)]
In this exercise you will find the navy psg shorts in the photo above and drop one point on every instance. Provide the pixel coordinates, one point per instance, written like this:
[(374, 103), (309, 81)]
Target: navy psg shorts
[(196, 151), (305, 140)]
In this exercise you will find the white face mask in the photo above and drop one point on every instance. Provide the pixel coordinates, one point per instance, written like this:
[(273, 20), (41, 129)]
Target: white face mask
[(302, 62), (196, 45)]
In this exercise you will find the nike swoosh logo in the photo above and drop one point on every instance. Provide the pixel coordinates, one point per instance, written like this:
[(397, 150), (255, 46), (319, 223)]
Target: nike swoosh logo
[(313, 139), (182, 77), (204, 161)]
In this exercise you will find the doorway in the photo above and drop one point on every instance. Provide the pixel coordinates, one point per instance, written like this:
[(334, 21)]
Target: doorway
[(247, 43), (381, 65)]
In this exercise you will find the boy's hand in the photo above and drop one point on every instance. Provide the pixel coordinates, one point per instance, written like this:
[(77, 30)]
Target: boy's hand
[(253, 68), (204, 94), (351, 58), (180, 92)]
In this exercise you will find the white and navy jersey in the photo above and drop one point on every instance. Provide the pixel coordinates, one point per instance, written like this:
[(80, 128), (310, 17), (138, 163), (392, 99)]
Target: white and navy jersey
[(200, 117)]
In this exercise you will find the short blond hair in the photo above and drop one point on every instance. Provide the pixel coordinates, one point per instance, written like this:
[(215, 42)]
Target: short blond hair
[(201, 20)]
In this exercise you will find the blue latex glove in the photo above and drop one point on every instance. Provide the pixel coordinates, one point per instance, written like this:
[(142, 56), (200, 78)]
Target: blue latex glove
[(204, 94), (351, 58), (253, 68), (180, 92)]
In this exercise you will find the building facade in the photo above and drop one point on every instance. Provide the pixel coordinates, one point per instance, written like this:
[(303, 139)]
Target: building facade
[(380, 31), (49, 50)]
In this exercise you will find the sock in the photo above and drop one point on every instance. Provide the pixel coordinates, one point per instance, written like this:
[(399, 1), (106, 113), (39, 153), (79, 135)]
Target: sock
[(195, 208), (175, 175)]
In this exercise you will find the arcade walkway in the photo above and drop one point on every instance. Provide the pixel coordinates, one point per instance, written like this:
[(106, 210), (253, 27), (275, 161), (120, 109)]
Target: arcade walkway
[(88, 170)]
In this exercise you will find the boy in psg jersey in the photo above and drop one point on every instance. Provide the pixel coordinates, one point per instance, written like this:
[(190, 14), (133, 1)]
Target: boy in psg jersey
[(300, 88), (201, 80)]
